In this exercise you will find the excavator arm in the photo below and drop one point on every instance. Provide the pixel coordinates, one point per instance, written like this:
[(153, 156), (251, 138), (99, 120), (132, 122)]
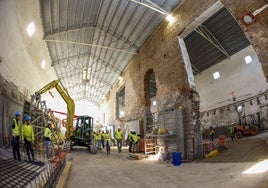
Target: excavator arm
[(68, 100)]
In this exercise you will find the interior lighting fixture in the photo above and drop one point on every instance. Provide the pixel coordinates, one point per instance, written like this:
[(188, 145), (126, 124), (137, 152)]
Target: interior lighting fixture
[(259, 167), (239, 109), (216, 75), (151, 5), (154, 103), (86, 73), (43, 64), (30, 29), (170, 18), (248, 59), (250, 17)]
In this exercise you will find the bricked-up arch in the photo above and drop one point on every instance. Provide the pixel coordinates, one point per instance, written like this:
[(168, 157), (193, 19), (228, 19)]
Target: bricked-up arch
[(149, 92), (120, 103), (149, 87)]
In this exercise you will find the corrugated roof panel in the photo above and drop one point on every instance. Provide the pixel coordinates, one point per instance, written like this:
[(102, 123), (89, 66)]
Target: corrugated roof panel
[(111, 13), (119, 15), (225, 28), (105, 8), (109, 23), (128, 12), (135, 21), (203, 54)]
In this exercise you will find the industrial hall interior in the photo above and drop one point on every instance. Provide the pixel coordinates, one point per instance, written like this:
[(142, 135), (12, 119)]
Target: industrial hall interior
[(134, 93)]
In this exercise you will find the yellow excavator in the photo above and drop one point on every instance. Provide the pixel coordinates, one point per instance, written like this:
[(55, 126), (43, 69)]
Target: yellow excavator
[(82, 134)]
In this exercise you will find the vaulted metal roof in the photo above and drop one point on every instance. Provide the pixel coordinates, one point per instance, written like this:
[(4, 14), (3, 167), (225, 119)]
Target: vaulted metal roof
[(214, 40), (96, 39)]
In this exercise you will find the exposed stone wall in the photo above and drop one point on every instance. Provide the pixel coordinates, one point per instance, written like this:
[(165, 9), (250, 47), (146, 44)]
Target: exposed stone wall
[(10, 91), (11, 100), (221, 118), (161, 53)]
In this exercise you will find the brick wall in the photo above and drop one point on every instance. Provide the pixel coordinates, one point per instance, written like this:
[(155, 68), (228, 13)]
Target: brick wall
[(161, 53)]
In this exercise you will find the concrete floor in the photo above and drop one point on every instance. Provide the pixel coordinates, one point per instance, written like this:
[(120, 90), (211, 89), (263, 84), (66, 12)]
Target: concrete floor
[(117, 171)]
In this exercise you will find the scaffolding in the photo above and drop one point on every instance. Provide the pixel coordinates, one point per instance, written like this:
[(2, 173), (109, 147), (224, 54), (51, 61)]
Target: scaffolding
[(42, 171), (161, 132), (42, 116)]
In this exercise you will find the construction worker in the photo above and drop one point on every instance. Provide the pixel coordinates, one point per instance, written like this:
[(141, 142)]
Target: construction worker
[(98, 139), (102, 138), (94, 138), (232, 132), (28, 136), (134, 138), (118, 135), (47, 135), (211, 134), (15, 129), (130, 141), (107, 140)]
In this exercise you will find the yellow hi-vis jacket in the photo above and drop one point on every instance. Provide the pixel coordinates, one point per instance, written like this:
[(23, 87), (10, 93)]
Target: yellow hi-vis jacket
[(47, 133), (118, 135), (16, 130), (27, 133), (134, 137), (94, 136), (107, 136), (98, 136)]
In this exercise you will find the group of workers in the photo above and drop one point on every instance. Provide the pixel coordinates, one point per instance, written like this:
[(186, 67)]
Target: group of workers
[(232, 129), (25, 134), (103, 140)]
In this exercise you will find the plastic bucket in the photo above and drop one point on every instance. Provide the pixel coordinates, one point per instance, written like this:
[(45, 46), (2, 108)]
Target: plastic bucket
[(176, 158)]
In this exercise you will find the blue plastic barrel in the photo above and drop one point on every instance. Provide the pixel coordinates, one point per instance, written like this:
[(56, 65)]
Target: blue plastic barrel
[(176, 158)]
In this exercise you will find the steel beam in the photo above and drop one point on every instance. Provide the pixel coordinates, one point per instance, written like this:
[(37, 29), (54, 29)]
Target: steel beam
[(86, 44)]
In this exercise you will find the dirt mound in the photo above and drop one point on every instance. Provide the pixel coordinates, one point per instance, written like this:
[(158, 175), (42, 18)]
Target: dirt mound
[(242, 151)]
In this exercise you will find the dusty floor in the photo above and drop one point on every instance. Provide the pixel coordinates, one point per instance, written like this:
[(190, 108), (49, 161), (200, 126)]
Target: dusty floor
[(245, 150), (117, 171)]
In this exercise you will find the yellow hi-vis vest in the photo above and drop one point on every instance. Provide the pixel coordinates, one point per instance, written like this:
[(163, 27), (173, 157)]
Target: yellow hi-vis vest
[(107, 136), (27, 132), (47, 133), (134, 137), (16, 130), (118, 135), (94, 136), (98, 136)]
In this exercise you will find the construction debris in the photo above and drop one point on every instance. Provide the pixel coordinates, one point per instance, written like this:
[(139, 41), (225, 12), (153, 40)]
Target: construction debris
[(135, 157), (213, 153)]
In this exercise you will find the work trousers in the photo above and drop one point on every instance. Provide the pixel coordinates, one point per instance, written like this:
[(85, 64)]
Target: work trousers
[(134, 146), (29, 149), (233, 136), (119, 145), (130, 146), (102, 142), (108, 147), (99, 144), (16, 147), (48, 143)]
